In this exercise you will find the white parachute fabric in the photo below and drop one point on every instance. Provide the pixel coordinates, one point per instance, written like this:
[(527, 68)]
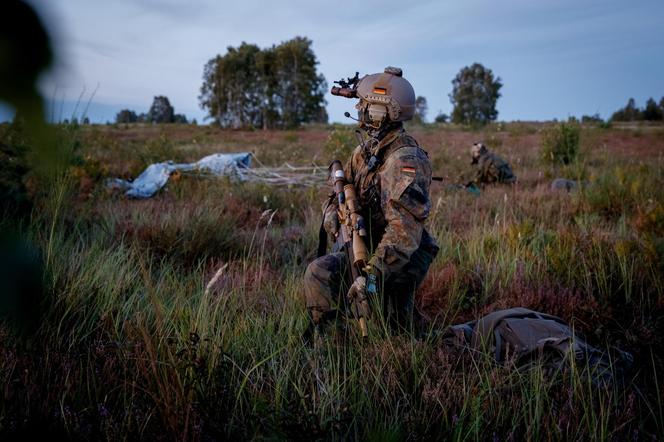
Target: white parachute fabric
[(156, 176), (224, 164), (150, 181), (235, 166)]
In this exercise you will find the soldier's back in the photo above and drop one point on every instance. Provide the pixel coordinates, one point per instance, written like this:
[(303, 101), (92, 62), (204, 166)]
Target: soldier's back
[(496, 169)]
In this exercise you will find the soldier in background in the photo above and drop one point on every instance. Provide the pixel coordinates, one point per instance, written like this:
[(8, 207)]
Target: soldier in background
[(491, 168), (392, 175)]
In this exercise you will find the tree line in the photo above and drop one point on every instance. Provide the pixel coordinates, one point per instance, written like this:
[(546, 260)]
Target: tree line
[(280, 87), (160, 112), (274, 87), (652, 111)]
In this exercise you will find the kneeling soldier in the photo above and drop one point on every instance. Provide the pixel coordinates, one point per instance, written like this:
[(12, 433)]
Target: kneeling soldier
[(391, 175)]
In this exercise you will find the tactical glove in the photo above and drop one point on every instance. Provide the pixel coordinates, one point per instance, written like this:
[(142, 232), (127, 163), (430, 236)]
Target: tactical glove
[(359, 288), (357, 298)]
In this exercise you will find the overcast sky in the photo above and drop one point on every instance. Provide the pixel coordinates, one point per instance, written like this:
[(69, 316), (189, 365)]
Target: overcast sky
[(556, 58)]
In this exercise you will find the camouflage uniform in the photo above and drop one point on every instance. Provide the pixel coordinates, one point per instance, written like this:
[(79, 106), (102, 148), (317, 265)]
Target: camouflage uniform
[(395, 202), (493, 169)]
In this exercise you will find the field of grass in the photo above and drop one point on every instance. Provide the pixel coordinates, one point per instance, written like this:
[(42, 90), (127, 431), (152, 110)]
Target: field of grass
[(180, 317)]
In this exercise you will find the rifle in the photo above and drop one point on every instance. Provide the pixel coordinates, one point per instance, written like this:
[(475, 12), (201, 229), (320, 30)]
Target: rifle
[(352, 234), (468, 186)]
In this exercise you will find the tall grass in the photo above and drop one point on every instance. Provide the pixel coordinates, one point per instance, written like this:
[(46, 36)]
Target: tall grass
[(181, 317)]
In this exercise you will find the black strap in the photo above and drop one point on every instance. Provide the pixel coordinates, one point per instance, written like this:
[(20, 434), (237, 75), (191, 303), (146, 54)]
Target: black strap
[(322, 233), (322, 241)]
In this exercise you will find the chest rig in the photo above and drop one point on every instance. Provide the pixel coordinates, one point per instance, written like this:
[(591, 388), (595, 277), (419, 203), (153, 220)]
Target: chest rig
[(367, 179)]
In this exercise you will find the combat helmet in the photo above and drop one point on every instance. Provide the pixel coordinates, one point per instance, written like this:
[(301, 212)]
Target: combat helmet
[(385, 97), (477, 150)]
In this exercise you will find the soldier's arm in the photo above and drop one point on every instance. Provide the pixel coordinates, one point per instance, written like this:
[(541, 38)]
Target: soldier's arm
[(405, 202), (483, 169), (477, 179)]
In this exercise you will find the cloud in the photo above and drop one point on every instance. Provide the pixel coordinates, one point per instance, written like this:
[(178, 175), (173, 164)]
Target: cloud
[(140, 48)]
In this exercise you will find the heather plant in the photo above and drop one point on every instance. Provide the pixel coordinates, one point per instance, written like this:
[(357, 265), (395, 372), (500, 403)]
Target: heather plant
[(158, 149), (623, 189)]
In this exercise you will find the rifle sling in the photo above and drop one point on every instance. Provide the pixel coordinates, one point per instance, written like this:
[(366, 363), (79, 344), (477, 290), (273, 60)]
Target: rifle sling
[(322, 233)]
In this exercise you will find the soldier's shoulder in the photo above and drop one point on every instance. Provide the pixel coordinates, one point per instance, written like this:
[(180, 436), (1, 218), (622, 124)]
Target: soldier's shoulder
[(407, 139), (498, 159), (409, 159), (488, 157), (407, 145), (357, 151), (410, 153), (356, 155)]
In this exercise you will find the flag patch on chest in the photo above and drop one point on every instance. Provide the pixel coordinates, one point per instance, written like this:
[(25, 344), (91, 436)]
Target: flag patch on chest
[(408, 170)]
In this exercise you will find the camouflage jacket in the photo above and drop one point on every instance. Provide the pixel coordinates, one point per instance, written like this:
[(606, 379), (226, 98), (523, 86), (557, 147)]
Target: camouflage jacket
[(394, 198), (493, 169)]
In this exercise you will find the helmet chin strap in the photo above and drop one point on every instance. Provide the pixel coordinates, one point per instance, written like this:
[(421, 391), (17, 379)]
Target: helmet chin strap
[(371, 157), (375, 135)]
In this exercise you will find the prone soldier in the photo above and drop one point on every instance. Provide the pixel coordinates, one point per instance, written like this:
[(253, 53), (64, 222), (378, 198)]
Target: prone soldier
[(391, 175), (491, 168)]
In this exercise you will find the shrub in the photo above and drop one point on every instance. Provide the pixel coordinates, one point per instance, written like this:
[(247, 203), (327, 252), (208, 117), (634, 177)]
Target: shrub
[(442, 118), (126, 116), (560, 143), (340, 143)]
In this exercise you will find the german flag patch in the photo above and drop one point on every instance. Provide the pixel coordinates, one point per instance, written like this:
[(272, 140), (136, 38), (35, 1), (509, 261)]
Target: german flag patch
[(408, 170)]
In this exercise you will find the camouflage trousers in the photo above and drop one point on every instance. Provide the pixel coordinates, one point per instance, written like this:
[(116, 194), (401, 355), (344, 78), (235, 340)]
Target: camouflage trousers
[(326, 284)]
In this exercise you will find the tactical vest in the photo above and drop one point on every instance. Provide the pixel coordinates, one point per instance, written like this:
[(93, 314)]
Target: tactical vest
[(367, 182)]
